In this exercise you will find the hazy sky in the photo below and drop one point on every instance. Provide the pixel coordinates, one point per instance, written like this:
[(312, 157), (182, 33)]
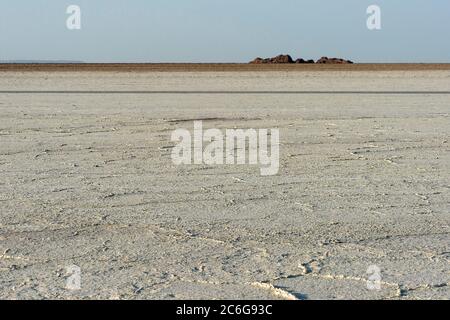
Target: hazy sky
[(224, 30)]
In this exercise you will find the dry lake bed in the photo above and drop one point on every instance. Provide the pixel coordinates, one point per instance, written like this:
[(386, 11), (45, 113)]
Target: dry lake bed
[(88, 188)]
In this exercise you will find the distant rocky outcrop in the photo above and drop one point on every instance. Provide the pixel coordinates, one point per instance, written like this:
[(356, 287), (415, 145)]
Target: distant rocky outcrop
[(300, 60), (326, 60), (282, 58), (287, 59)]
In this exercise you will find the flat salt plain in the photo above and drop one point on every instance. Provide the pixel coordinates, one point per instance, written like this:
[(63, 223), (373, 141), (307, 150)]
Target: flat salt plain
[(87, 180)]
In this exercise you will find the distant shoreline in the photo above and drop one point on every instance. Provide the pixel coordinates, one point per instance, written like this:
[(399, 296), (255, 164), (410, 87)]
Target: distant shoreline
[(215, 67)]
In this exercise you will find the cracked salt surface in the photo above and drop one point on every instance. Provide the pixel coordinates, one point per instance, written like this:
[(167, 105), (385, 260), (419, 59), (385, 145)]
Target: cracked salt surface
[(364, 180)]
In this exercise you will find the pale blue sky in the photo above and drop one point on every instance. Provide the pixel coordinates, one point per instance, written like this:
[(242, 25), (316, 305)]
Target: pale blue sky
[(224, 30)]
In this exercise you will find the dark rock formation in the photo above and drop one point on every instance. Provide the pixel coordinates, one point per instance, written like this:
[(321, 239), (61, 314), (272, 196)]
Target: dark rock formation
[(326, 60), (257, 61), (280, 59), (287, 59), (303, 61)]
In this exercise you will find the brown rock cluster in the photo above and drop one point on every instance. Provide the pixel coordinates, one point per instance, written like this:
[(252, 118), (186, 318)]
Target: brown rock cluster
[(282, 58), (300, 60), (287, 59), (326, 60)]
